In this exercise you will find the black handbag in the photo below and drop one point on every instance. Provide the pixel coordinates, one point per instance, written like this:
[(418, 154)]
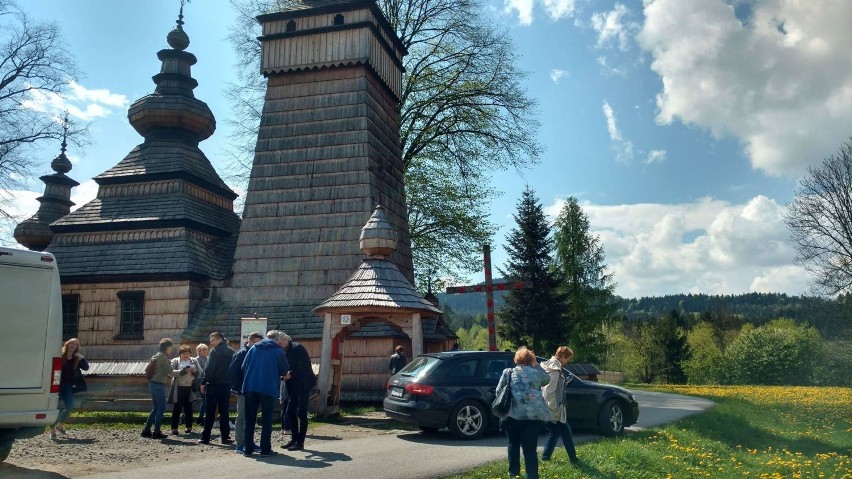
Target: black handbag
[(503, 399)]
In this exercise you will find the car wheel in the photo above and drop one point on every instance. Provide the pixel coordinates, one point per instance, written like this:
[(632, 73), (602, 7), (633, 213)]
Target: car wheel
[(5, 448), (427, 429), (611, 418), (469, 420)]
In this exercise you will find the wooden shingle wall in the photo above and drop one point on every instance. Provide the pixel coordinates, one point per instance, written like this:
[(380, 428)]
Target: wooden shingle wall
[(327, 154), (167, 307)]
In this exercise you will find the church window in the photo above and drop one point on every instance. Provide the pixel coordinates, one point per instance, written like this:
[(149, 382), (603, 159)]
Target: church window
[(338, 19), (132, 313), (291, 26), (70, 315)]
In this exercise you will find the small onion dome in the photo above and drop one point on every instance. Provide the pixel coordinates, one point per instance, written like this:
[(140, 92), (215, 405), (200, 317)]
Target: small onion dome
[(61, 164), (178, 39), (378, 237)]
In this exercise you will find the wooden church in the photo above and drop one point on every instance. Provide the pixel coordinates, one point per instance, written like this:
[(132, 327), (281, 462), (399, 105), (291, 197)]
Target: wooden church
[(160, 252)]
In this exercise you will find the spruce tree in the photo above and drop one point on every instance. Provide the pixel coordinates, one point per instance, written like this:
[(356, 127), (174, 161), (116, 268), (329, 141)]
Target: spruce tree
[(586, 282), (671, 341), (533, 316)]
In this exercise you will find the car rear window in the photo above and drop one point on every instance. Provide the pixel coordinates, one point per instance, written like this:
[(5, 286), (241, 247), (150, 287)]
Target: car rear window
[(420, 366)]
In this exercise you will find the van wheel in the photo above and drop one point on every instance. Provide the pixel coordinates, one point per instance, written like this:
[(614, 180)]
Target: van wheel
[(5, 448), (469, 420), (611, 418)]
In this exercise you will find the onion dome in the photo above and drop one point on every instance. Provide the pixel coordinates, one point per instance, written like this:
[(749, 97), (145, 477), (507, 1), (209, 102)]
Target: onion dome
[(173, 106), (378, 237), (35, 232)]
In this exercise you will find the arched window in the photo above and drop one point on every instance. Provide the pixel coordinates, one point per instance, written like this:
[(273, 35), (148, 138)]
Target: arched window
[(338, 19), (291, 26)]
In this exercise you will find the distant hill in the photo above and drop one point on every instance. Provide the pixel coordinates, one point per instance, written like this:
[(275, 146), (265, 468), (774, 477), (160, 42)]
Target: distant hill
[(756, 308)]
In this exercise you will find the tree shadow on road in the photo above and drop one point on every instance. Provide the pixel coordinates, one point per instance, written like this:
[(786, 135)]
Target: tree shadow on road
[(9, 471)]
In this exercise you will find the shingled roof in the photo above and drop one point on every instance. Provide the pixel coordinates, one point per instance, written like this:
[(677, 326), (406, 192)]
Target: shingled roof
[(377, 283), (163, 210)]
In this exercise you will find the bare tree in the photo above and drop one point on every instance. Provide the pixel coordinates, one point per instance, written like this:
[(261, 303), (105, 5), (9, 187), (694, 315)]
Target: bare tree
[(464, 114), (820, 222), (33, 62)]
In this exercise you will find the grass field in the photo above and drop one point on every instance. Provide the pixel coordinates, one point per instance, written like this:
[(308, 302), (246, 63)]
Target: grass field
[(751, 432)]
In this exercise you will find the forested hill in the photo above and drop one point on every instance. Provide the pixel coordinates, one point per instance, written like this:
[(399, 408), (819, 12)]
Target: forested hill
[(755, 308)]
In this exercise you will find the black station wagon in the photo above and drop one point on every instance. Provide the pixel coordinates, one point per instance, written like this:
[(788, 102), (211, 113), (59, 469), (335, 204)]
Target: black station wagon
[(455, 390)]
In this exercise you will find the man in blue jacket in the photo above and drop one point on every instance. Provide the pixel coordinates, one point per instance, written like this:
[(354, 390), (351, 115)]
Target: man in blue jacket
[(264, 366), (237, 377)]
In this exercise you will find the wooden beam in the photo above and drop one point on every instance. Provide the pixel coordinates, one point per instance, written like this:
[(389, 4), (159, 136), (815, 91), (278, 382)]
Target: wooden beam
[(325, 366)]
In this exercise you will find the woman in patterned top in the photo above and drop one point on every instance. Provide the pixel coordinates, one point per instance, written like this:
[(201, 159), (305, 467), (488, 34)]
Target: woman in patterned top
[(527, 413)]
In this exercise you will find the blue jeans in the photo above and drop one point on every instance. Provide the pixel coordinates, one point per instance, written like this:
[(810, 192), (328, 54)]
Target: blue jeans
[(158, 396), (267, 405), (555, 430), (297, 412), (522, 435), (66, 394)]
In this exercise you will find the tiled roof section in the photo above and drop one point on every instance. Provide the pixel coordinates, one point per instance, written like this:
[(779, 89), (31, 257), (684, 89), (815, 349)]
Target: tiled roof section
[(381, 330), (112, 212), (159, 157), (306, 4), (377, 283), (164, 256), (436, 329), (295, 318)]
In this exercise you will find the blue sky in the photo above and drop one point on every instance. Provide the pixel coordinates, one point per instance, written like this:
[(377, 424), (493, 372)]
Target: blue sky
[(680, 125)]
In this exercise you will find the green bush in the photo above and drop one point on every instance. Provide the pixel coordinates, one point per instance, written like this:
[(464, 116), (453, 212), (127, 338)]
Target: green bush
[(778, 353)]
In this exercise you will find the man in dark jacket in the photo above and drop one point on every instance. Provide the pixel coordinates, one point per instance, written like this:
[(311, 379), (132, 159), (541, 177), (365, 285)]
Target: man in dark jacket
[(263, 368), (236, 374), (397, 360), (217, 385), (299, 384)]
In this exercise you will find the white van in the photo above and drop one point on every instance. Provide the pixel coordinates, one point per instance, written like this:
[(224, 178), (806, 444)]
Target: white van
[(31, 323)]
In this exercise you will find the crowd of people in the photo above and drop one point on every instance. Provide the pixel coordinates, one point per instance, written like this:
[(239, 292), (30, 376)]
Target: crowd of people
[(266, 369), (275, 367)]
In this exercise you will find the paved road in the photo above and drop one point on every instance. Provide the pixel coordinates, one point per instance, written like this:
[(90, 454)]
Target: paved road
[(407, 454)]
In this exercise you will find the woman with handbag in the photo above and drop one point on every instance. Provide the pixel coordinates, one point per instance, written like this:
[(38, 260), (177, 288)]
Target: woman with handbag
[(71, 382), (554, 395), (184, 388), (527, 412)]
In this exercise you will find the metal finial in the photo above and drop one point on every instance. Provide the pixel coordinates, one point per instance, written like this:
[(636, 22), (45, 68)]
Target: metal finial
[(180, 15), (65, 125)]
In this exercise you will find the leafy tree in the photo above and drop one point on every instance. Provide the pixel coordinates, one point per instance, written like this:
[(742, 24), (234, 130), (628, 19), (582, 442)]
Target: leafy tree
[(643, 358), (671, 341), (820, 222), (533, 316), (463, 114), (587, 283), (706, 365), (777, 353), (33, 61)]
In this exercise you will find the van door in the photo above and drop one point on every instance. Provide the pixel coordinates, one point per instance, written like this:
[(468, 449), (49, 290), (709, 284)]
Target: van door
[(25, 301)]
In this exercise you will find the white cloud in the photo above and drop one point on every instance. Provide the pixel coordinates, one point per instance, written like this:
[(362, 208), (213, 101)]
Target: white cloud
[(554, 9), (84, 193), (524, 9), (607, 68), (656, 156), (709, 246), (557, 9), (557, 75), (612, 27), (80, 102), (623, 148), (777, 80)]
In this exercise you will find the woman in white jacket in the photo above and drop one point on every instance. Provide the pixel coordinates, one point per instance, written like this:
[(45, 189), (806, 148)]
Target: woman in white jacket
[(554, 395)]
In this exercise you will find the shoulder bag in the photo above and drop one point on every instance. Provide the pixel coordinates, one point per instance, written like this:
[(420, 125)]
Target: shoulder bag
[(503, 399)]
